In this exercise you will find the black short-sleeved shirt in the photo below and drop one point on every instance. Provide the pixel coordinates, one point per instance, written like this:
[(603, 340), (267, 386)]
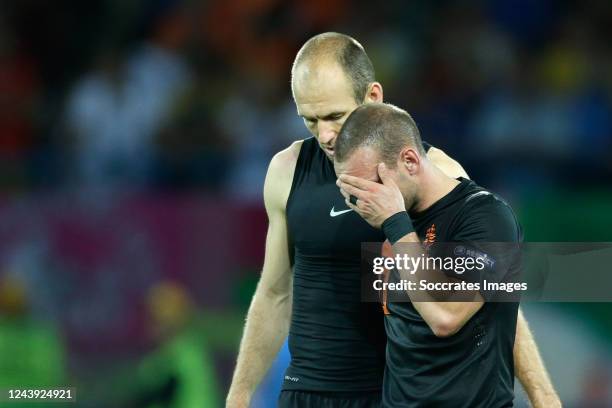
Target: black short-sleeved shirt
[(474, 367)]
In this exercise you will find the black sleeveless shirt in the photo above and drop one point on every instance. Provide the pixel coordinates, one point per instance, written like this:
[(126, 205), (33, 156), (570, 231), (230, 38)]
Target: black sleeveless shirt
[(337, 342)]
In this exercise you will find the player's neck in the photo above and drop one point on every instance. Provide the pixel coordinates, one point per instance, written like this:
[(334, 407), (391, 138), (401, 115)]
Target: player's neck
[(435, 185)]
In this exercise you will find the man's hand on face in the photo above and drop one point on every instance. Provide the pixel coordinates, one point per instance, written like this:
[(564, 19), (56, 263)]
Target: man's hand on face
[(375, 202)]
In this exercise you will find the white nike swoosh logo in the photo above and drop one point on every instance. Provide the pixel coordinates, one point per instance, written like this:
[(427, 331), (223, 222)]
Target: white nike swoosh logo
[(333, 213)]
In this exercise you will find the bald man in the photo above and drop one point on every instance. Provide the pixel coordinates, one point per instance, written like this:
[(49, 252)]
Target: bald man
[(310, 285)]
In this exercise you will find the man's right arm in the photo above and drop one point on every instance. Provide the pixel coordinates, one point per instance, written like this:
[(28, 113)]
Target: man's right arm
[(267, 323)]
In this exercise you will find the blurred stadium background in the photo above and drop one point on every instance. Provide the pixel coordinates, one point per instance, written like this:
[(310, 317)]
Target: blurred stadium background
[(134, 140)]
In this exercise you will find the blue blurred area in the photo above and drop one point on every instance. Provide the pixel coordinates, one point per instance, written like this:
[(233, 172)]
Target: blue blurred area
[(135, 137)]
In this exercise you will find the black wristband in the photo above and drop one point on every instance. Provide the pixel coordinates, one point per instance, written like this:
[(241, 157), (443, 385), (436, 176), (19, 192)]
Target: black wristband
[(397, 226)]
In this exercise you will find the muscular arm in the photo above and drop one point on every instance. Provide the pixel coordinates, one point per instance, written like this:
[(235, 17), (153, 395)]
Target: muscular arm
[(529, 368), (267, 322)]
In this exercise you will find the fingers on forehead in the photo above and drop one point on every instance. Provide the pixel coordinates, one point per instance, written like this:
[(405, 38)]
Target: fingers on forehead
[(356, 181)]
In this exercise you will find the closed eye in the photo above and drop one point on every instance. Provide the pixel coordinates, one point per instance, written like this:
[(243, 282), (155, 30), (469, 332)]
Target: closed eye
[(328, 118), (334, 116)]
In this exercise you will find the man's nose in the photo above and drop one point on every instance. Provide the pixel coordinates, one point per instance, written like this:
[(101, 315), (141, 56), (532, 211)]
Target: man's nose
[(326, 132)]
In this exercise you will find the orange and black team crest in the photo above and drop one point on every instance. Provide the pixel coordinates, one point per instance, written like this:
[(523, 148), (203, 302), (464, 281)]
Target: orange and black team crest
[(430, 236)]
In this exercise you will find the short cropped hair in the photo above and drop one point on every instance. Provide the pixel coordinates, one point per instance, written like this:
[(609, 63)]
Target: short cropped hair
[(385, 127), (344, 50)]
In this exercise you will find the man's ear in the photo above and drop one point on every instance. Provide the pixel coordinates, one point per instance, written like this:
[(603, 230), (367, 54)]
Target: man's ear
[(374, 93), (410, 159)]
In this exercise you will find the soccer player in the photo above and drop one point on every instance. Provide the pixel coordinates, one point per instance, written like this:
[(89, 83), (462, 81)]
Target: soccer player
[(443, 354), (310, 288)]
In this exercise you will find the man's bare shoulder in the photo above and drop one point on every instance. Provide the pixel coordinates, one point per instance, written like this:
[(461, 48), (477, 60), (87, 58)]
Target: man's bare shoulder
[(280, 174), (447, 164), (287, 158)]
